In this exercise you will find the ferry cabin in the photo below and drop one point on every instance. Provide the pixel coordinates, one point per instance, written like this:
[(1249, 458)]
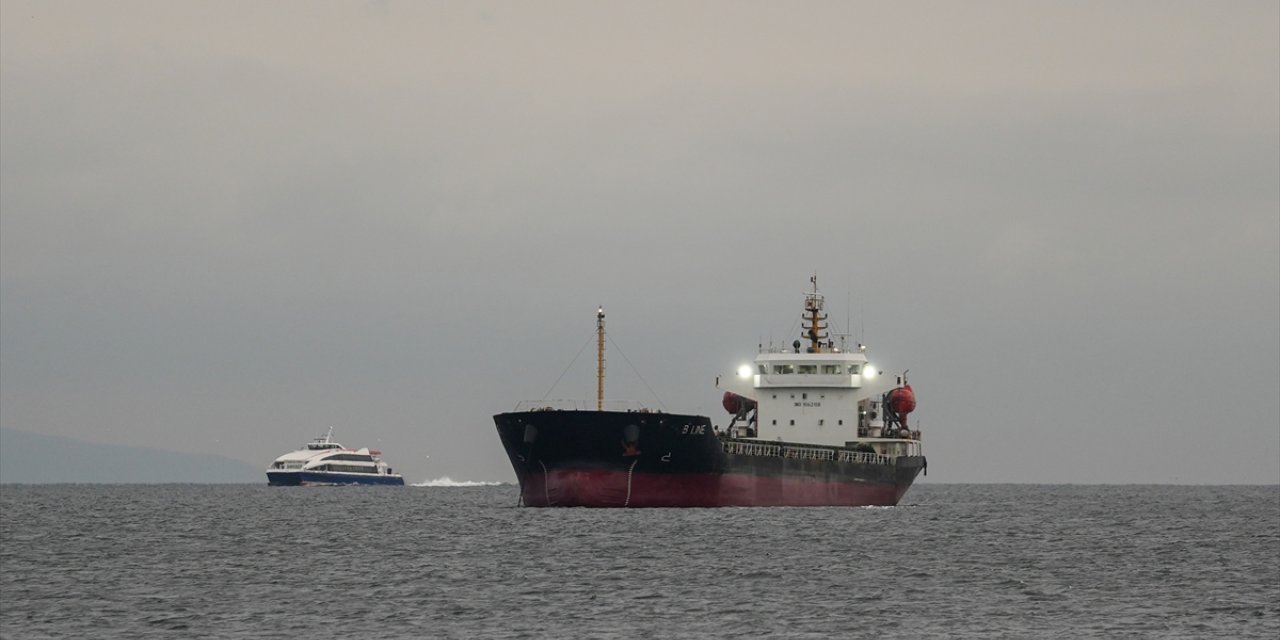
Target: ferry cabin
[(308, 460)]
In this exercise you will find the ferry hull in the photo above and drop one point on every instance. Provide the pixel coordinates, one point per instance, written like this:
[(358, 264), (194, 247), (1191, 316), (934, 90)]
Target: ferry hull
[(620, 459), (310, 478)]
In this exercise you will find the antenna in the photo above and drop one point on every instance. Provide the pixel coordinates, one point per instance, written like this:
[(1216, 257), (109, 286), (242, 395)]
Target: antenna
[(848, 311), (862, 322), (848, 317)]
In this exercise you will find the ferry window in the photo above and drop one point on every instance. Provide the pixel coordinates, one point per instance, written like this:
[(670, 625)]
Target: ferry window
[(853, 368), (839, 423), (762, 369), (808, 368), (821, 422), (831, 368), (775, 423), (804, 396), (793, 423)]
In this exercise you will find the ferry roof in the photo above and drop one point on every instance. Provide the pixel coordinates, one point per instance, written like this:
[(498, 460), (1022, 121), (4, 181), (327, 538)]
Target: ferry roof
[(308, 454), (304, 454)]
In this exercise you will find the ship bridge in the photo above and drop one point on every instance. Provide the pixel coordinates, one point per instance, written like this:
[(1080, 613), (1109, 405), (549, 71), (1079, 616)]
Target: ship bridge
[(829, 369), (805, 397)]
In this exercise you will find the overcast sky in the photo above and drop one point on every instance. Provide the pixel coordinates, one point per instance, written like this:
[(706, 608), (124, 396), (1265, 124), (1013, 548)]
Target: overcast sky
[(226, 226)]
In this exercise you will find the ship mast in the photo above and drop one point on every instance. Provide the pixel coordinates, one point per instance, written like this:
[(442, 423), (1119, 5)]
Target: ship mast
[(813, 304), (600, 359)]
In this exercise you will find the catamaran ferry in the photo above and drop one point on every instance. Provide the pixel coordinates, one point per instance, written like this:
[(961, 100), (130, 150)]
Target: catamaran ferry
[(325, 462)]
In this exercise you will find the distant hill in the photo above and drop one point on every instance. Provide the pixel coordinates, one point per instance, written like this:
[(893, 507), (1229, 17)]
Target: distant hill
[(34, 459)]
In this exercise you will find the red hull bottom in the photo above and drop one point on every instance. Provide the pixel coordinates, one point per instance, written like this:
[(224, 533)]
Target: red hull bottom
[(605, 488)]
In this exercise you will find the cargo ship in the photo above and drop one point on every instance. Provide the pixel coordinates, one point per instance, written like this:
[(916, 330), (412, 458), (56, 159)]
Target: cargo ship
[(810, 424)]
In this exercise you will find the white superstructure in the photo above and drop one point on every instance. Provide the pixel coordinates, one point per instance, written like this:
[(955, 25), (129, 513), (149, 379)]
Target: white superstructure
[(818, 393), (326, 456)]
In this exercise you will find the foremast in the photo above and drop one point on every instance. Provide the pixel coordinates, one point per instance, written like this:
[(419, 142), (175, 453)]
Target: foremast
[(600, 358)]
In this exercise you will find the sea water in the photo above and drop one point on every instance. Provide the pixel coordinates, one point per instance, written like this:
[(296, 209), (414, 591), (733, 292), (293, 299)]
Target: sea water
[(956, 561)]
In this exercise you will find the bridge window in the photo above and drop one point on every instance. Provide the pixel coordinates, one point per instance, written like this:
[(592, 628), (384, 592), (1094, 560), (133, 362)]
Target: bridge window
[(853, 368), (763, 370), (831, 368), (784, 368), (353, 457), (808, 368)]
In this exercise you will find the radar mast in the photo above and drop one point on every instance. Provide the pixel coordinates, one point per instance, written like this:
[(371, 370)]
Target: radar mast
[(814, 318)]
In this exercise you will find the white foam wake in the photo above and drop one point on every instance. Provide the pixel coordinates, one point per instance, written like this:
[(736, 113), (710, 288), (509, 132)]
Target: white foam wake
[(446, 481)]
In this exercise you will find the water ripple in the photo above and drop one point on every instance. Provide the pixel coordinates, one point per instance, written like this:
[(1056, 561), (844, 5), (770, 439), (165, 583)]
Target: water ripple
[(977, 561)]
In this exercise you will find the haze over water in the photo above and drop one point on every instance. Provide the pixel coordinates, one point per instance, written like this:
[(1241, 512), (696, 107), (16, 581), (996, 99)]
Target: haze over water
[(227, 225), (966, 561)]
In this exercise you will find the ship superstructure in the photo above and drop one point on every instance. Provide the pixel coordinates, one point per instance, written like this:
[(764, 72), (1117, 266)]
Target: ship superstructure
[(818, 392)]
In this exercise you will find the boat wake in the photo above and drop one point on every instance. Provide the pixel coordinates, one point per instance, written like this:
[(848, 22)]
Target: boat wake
[(446, 481)]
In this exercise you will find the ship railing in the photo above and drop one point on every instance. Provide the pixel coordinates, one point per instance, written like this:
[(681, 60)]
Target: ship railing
[(626, 406), (808, 453), (752, 449), (865, 457), (796, 452)]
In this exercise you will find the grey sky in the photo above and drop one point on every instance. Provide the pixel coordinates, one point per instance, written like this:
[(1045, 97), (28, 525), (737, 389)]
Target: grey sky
[(226, 226)]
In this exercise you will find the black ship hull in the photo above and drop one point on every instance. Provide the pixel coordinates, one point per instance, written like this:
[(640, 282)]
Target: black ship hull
[(642, 459)]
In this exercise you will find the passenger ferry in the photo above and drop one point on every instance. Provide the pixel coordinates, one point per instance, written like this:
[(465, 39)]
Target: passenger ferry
[(325, 462)]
